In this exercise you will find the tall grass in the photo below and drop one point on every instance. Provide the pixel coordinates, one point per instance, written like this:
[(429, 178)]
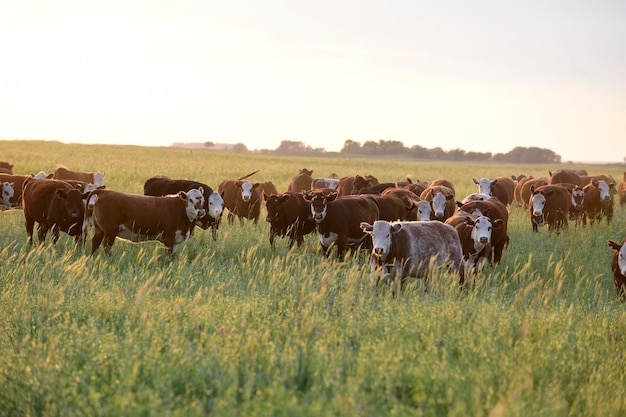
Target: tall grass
[(232, 327)]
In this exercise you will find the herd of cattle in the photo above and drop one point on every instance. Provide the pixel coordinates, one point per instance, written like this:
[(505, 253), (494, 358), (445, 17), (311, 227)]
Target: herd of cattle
[(410, 227)]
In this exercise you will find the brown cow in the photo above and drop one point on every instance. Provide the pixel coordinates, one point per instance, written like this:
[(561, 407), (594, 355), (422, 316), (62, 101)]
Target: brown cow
[(338, 219), (55, 205), (267, 188), (64, 173), (621, 189), (6, 168), (517, 197), (475, 236), (618, 266), (140, 218), (302, 181), (410, 198), (442, 202), (346, 184), (525, 192), (288, 215), (495, 210), (549, 205), (390, 207), (567, 176), (502, 188), (242, 199), (444, 182)]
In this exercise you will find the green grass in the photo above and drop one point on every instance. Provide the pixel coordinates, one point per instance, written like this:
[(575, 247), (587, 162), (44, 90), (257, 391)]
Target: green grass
[(232, 327)]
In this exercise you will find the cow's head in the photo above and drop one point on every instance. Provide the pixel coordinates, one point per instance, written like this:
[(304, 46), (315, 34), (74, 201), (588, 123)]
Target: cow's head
[(381, 232), (439, 202), (424, 210), (246, 189), (319, 203), (538, 201), (578, 196), (606, 193), (360, 182), (273, 204), (8, 193), (194, 200), (620, 253), (482, 226), (484, 185)]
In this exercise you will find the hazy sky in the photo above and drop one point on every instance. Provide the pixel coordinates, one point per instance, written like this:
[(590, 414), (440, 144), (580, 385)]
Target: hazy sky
[(477, 75)]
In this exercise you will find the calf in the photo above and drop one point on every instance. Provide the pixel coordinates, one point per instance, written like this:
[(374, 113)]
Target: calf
[(302, 181), (411, 249), (139, 218), (475, 235), (288, 215), (550, 205), (502, 188), (55, 205), (338, 219), (161, 185), (242, 199), (7, 195), (441, 199), (495, 211), (618, 266), (64, 173)]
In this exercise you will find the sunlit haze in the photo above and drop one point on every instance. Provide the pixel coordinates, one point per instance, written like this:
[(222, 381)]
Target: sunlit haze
[(482, 76)]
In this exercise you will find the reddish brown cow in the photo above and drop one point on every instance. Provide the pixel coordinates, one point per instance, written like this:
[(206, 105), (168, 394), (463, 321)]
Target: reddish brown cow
[(390, 207), (525, 192), (338, 219), (442, 202), (409, 198), (139, 218), (444, 182), (549, 205), (495, 210), (288, 215), (618, 266), (302, 181), (267, 188), (517, 197), (564, 176), (416, 188), (475, 236), (6, 168), (64, 173), (55, 205), (502, 188), (242, 199), (346, 184)]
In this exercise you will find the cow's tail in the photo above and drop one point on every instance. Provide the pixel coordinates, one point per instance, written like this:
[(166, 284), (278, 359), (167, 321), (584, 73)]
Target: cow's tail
[(248, 176)]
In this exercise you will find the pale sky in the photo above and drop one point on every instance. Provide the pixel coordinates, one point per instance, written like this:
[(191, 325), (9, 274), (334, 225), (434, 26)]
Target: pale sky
[(483, 76)]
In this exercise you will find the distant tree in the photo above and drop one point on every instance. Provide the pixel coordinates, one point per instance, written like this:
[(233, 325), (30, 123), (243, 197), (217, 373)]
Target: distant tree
[(370, 148), (455, 155), (391, 147), (208, 144), (350, 146), (417, 151), (239, 148), (437, 153)]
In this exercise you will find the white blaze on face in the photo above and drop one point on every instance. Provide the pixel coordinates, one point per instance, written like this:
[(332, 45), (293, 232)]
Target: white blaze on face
[(381, 238), (439, 204), (98, 179), (539, 201), (195, 204), (604, 190), (8, 192), (577, 197), (216, 205), (319, 206), (481, 232), (484, 185), (424, 210), (621, 260), (246, 191)]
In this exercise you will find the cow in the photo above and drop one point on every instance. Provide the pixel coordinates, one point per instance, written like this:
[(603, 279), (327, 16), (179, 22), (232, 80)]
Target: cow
[(242, 199), (549, 206), (138, 218), (302, 181), (565, 176), (338, 219), (416, 188), (525, 192), (621, 189), (410, 198), (346, 184), (475, 237), (55, 205), (495, 210), (618, 266), (267, 188), (7, 195), (444, 182), (518, 187), (391, 208), (64, 173), (577, 208), (6, 168), (411, 249), (441, 199), (288, 215), (161, 185), (502, 188), (319, 183), (591, 203), (607, 190)]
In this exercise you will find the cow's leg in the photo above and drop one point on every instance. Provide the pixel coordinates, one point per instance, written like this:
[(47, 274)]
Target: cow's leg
[(108, 241), (396, 285), (42, 231), (96, 240), (30, 225), (55, 234), (497, 252), (214, 231)]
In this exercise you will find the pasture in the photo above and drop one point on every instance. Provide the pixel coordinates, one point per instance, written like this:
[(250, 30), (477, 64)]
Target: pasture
[(232, 327)]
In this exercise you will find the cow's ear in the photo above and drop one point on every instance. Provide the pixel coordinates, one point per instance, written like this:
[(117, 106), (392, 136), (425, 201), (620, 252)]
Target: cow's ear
[(201, 189), (332, 196), (494, 181), (62, 194), (498, 223), (396, 227), (475, 180), (264, 196), (450, 197), (307, 195), (366, 227), (532, 189), (459, 204), (182, 195), (613, 245), (284, 198), (255, 185), (469, 222)]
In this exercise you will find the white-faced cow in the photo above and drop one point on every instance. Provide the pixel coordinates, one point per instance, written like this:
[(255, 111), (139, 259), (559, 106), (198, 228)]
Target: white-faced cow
[(475, 235), (288, 215), (442, 202), (242, 199), (618, 266), (7, 196), (55, 205), (161, 185), (411, 249), (64, 173), (338, 219), (502, 188), (494, 210), (140, 218), (549, 206)]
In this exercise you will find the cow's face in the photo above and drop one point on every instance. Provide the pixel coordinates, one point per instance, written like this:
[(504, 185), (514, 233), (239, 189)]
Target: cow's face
[(604, 190), (72, 201), (482, 228), (484, 185), (381, 232), (620, 250), (8, 192), (319, 204), (194, 203), (215, 205), (424, 210), (578, 196), (246, 190), (273, 205), (538, 203), (439, 205)]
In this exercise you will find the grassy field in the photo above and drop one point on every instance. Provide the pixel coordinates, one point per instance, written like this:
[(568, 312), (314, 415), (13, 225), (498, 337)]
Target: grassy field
[(232, 327)]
